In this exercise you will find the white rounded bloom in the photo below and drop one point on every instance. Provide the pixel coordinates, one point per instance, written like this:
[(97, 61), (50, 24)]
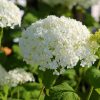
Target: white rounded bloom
[(10, 14), (18, 76), (56, 43)]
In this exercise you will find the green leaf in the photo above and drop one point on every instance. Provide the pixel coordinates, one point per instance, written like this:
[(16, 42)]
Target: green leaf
[(98, 90), (95, 96), (47, 77), (29, 18), (89, 20), (26, 95), (16, 50), (32, 91), (15, 90), (6, 89), (62, 92), (2, 58), (70, 73), (93, 76), (32, 86)]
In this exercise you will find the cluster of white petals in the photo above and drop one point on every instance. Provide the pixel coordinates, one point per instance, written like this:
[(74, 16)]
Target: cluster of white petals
[(56, 43), (10, 14), (18, 76), (71, 3), (14, 77)]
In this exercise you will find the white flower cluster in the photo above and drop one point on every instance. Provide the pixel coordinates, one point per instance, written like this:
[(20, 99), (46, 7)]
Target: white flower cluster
[(71, 3), (10, 14), (18, 76), (56, 43), (14, 77)]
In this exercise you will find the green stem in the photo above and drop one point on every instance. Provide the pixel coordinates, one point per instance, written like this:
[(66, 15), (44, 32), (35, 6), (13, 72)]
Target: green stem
[(98, 65), (90, 92), (1, 36), (6, 90), (79, 80), (18, 92), (91, 89), (41, 92)]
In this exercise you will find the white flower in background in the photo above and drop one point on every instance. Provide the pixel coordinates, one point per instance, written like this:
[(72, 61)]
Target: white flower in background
[(95, 11), (56, 43), (14, 77), (19, 2), (16, 40), (10, 14), (3, 74), (19, 76), (87, 3)]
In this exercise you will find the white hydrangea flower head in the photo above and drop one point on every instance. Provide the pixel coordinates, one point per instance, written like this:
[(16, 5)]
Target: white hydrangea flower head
[(19, 76), (87, 3), (68, 3), (10, 14), (56, 43)]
